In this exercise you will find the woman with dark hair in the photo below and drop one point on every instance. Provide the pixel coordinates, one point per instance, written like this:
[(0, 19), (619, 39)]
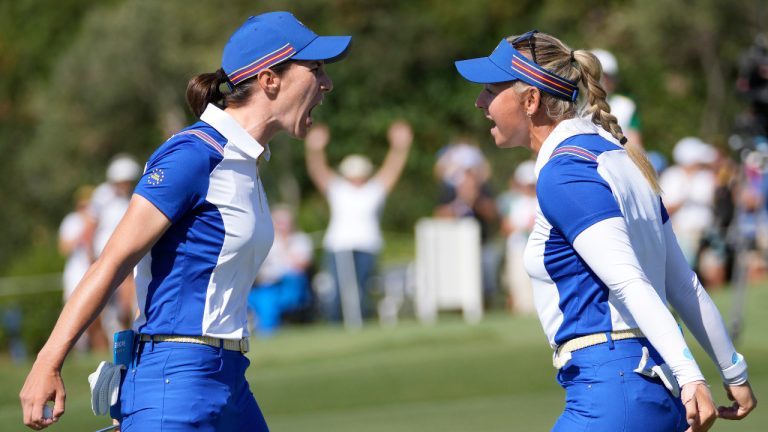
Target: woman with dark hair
[(197, 229), (602, 255)]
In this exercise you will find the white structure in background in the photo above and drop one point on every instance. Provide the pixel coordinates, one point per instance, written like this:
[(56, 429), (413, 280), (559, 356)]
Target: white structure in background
[(448, 272)]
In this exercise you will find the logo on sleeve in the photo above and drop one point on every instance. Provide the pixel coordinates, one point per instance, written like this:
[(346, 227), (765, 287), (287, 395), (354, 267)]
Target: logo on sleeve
[(156, 177), (687, 354)]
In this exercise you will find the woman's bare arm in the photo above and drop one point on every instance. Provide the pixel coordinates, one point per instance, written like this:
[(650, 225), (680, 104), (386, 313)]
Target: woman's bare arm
[(140, 228)]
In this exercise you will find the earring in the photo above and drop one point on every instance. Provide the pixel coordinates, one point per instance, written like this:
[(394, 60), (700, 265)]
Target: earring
[(530, 114)]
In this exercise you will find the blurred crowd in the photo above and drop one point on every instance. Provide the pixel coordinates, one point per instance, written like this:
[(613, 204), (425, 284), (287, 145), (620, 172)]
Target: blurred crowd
[(84, 233), (715, 198)]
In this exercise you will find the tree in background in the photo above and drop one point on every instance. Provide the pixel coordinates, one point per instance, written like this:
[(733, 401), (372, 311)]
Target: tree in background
[(26, 58), (102, 78)]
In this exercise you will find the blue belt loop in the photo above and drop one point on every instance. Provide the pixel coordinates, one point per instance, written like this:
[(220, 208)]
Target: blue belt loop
[(610, 341), (152, 343), (221, 354), (136, 348)]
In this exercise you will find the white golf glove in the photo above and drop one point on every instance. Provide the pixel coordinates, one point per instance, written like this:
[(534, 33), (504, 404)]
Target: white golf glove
[(662, 371), (105, 387)]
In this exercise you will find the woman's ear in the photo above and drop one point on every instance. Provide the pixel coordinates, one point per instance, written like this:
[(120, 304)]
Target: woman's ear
[(269, 82), (532, 100)]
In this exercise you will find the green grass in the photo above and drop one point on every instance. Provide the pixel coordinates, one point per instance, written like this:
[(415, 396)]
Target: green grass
[(494, 376)]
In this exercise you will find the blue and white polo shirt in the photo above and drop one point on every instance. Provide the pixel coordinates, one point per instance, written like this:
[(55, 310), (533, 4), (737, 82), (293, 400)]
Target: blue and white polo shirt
[(585, 178), (603, 257), (195, 280)]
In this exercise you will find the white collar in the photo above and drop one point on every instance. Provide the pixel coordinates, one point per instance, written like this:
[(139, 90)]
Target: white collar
[(564, 130), (233, 132)]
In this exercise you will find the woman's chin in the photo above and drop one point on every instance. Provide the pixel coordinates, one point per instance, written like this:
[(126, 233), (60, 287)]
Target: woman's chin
[(506, 142), (500, 141)]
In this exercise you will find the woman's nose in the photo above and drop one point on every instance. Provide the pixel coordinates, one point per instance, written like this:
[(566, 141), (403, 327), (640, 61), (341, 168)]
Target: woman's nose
[(326, 83), (479, 102)]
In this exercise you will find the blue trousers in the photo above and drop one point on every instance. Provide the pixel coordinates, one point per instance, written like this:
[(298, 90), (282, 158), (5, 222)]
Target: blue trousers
[(184, 386), (603, 393)]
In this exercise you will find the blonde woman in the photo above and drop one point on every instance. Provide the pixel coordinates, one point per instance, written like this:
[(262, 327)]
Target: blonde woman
[(602, 255)]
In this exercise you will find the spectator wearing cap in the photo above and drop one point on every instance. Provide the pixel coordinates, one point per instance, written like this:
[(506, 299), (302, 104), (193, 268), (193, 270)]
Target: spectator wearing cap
[(356, 197), (454, 160), (689, 191), (108, 206), (110, 199), (622, 106), (465, 192), (197, 229)]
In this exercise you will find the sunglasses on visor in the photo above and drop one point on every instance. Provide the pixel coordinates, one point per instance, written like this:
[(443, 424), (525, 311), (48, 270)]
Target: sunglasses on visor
[(531, 39)]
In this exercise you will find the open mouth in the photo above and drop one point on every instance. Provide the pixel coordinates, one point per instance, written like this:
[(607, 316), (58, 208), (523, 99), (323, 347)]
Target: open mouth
[(309, 113), (491, 120)]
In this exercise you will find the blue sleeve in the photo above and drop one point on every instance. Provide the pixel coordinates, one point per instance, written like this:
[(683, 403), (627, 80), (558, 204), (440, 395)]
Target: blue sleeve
[(573, 196), (175, 179)]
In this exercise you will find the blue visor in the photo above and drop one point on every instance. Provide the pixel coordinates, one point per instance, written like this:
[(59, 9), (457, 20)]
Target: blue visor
[(326, 48), (507, 64)]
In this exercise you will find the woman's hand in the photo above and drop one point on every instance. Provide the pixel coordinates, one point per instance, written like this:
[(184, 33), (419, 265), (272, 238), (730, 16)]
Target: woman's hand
[(318, 137), (400, 135), (43, 384), (699, 406), (743, 402)]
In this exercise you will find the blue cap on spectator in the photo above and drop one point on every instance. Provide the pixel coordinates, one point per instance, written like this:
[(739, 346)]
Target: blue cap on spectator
[(272, 38)]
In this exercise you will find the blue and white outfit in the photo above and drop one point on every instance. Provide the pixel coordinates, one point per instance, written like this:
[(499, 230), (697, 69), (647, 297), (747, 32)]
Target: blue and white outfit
[(603, 258), (603, 262), (195, 281)]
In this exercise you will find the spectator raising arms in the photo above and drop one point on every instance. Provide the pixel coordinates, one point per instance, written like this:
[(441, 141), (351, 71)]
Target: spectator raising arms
[(356, 198)]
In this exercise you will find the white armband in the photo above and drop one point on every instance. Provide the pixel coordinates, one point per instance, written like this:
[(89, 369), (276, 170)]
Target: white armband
[(737, 373)]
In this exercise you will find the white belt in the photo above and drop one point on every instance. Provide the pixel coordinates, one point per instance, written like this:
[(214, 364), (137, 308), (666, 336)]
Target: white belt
[(241, 345), (563, 352)]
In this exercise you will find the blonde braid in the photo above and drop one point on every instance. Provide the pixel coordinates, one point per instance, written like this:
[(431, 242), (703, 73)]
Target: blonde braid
[(598, 107)]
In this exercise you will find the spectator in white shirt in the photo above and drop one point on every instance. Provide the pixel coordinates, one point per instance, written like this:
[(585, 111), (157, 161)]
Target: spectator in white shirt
[(356, 197)]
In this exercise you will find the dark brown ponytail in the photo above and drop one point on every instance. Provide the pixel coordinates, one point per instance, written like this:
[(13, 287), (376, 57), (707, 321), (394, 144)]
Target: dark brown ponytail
[(215, 88), (204, 89)]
